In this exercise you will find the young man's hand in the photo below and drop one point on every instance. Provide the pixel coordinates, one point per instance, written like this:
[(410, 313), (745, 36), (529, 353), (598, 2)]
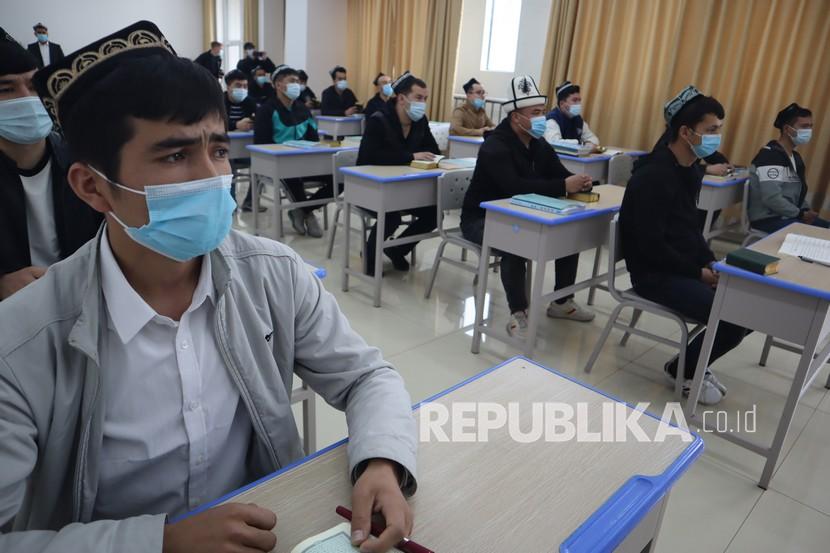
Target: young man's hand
[(351, 111), (709, 276), (719, 169), (14, 282), (378, 491), (229, 528), (244, 124), (577, 183), (809, 217), (423, 156)]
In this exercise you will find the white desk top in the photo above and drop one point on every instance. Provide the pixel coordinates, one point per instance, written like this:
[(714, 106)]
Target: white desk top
[(725, 182), (500, 495), (596, 158), (339, 118), (467, 139), (283, 150), (610, 200), (391, 173)]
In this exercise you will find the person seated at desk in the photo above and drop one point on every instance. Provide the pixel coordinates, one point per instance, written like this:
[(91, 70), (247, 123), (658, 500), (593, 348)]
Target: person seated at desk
[(151, 372), (515, 159), (307, 95), (383, 84), (669, 260), (259, 86), (338, 99), (41, 220), (287, 118), (239, 107), (470, 118), (397, 135), (565, 121), (254, 58), (778, 176)]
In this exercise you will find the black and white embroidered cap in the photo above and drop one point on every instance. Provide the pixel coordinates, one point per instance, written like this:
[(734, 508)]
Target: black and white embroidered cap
[(523, 93), (673, 106)]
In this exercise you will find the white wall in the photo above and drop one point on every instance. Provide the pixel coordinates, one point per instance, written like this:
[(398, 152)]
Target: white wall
[(272, 29), (315, 38), (76, 23), (533, 27)]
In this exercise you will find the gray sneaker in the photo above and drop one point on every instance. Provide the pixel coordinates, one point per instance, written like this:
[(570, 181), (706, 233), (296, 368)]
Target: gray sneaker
[(297, 221), (312, 226), (517, 326)]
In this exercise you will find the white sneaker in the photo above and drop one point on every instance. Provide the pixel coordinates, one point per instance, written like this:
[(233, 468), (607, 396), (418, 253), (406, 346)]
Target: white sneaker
[(312, 226), (297, 221), (517, 327), (570, 310), (710, 376), (710, 394)]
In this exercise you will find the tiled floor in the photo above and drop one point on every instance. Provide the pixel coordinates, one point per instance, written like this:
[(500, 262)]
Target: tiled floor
[(716, 506)]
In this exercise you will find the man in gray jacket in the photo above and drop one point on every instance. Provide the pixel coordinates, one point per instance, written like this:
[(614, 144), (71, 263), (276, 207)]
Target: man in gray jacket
[(151, 371), (778, 177)]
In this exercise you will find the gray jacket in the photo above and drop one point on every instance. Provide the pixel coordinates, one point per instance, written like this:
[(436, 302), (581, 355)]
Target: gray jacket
[(273, 318), (776, 187)]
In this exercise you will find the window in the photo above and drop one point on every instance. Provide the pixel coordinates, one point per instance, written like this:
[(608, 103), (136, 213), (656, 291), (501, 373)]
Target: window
[(229, 22), (501, 35)]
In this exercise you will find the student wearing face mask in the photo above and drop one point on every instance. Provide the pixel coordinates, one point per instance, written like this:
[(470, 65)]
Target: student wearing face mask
[(150, 372), (470, 118), (515, 159), (565, 121), (284, 118), (307, 95), (41, 220), (396, 135), (669, 260), (239, 106), (338, 99), (383, 84), (778, 176), (259, 86)]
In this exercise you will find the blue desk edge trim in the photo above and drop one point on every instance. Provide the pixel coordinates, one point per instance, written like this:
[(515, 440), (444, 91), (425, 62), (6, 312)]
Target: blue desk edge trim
[(240, 134), (258, 148), (339, 118), (619, 524), (584, 159), (420, 174), (587, 213), (725, 183), (724, 267), (466, 139)]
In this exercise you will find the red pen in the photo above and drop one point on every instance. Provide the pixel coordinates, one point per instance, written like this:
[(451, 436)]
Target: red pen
[(406, 545)]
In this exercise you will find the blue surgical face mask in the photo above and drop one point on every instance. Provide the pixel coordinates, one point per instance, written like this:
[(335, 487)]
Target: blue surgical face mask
[(416, 110), (387, 90), (537, 126), (342, 85), (24, 120), (187, 219), (292, 90), (478, 103), (709, 144), (575, 110), (262, 80), (42, 37), (239, 94), (802, 136)]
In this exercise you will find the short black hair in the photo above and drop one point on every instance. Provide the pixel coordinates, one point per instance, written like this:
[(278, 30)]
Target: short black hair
[(284, 71), (40, 26), (567, 93), (337, 69), (693, 113), (468, 86), (157, 88), (249, 46), (381, 74), (302, 75), (215, 43), (406, 88), (234, 75), (789, 114)]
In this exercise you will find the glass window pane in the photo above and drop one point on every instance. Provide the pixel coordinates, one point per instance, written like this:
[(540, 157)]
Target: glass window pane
[(501, 35), (234, 20), (220, 22)]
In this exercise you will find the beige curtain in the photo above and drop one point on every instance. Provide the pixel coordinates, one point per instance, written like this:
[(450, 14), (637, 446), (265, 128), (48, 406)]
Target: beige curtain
[(251, 23), (395, 35), (558, 47), (755, 56), (208, 22)]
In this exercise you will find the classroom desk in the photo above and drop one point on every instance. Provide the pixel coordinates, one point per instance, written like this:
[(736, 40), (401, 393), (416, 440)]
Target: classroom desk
[(277, 161), (791, 305), (336, 126), (717, 193), (595, 165), (383, 189), (239, 141), (501, 495), (541, 237), (464, 146)]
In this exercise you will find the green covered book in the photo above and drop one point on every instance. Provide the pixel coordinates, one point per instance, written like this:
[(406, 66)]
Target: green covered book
[(755, 262)]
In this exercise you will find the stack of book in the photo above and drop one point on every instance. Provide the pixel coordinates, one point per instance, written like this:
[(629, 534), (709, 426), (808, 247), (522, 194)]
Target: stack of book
[(547, 204)]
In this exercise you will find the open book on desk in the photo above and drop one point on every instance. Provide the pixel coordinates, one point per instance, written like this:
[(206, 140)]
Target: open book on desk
[(334, 540)]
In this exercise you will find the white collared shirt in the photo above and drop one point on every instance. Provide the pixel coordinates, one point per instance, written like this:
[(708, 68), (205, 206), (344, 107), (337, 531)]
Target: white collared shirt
[(176, 433), (44, 53)]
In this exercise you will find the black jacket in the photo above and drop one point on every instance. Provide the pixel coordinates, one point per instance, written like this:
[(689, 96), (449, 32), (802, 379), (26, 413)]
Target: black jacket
[(307, 94), (505, 167), (55, 53), (211, 63), (260, 93), (659, 223), (75, 222), (383, 142), (246, 65), (265, 127), (375, 104), (236, 112), (336, 104)]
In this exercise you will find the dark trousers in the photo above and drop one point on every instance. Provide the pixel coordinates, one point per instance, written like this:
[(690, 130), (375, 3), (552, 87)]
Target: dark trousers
[(693, 298), (426, 220), (513, 268), (773, 224), (296, 192)]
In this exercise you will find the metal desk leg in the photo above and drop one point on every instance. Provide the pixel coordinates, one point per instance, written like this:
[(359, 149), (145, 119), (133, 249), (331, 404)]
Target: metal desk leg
[(707, 225), (379, 242), (347, 231), (279, 232), (481, 290), (536, 308), (309, 421), (255, 201), (593, 290)]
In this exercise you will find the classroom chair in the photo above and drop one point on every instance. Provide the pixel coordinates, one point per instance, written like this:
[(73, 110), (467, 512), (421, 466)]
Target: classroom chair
[(752, 235), (620, 167), (629, 298), (452, 187)]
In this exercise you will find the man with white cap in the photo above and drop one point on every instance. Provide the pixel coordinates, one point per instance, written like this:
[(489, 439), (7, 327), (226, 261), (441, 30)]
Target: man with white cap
[(565, 120), (515, 159)]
